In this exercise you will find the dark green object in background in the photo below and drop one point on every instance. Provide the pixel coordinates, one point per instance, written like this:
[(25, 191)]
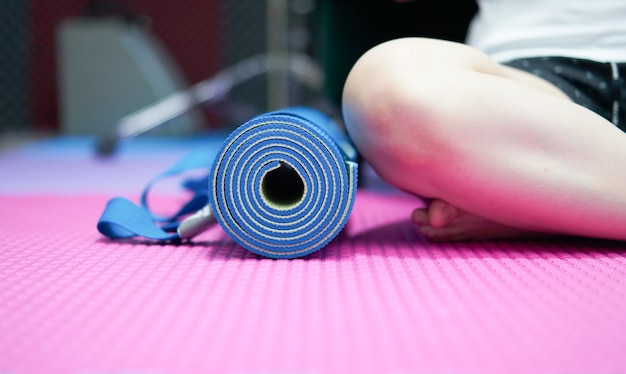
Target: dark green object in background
[(348, 28), (14, 105)]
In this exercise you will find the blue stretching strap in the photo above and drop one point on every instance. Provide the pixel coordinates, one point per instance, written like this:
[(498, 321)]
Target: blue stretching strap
[(282, 185)]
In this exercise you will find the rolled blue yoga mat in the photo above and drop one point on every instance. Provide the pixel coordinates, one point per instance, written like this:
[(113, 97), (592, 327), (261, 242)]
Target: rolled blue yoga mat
[(282, 185)]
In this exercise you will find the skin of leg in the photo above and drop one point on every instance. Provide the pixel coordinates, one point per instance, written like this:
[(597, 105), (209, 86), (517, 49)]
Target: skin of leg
[(442, 120)]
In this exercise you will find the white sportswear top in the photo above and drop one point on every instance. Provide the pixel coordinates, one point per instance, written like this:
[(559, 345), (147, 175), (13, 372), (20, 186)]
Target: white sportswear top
[(588, 29)]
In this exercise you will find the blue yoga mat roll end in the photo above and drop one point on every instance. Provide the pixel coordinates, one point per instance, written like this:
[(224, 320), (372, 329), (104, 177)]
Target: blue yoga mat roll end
[(284, 183)]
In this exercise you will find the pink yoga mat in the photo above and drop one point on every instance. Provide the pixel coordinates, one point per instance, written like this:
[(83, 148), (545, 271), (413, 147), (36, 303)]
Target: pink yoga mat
[(378, 299)]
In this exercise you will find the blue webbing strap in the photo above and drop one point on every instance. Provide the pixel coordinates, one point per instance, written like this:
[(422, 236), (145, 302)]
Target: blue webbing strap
[(123, 219), (305, 140), (199, 159)]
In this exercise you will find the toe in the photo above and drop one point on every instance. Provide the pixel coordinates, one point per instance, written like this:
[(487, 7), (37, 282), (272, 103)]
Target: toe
[(441, 213), (420, 217)]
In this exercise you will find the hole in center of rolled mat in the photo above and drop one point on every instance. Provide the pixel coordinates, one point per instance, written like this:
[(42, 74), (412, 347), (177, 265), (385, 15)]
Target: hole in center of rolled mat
[(282, 187)]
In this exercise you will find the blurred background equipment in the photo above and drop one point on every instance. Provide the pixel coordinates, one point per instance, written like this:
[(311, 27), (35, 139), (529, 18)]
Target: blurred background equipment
[(179, 44), (109, 67), (177, 105)]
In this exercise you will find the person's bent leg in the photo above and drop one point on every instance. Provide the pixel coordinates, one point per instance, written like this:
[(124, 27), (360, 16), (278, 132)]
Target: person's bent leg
[(442, 120)]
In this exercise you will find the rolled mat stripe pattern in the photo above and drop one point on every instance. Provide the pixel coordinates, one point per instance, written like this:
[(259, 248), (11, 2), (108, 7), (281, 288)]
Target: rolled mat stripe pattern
[(283, 184)]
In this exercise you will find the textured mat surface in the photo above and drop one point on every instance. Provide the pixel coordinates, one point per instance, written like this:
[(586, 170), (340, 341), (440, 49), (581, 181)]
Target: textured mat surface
[(378, 299)]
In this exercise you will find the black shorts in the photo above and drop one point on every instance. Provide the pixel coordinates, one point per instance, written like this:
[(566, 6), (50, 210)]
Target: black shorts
[(598, 86)]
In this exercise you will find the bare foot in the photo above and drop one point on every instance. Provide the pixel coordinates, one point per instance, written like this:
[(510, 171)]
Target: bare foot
[(441, 221)]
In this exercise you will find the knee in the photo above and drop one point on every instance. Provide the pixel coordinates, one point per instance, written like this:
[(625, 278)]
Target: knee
[(395, 105)]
